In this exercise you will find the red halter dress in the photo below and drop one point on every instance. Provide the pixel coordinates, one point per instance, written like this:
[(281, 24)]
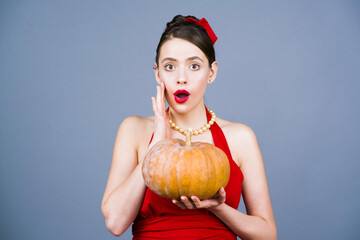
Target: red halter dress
[(159, 218)]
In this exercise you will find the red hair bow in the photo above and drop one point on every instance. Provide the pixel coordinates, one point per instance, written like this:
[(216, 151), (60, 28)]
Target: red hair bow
[(203, 23)]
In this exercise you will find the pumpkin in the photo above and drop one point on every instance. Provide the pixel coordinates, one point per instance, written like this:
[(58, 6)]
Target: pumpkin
[(172, 169)]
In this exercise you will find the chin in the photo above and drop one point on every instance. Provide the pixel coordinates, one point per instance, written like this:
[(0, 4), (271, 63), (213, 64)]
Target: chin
[(181, 108)]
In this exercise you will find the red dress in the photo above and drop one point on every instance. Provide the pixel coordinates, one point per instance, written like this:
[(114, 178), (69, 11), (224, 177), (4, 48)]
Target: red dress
[(159, 218)]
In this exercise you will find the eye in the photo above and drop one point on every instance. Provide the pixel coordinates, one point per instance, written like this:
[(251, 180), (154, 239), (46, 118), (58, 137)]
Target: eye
[(194, 66), (169, 67)]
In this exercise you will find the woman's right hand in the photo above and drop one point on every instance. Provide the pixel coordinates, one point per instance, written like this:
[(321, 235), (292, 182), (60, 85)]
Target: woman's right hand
[(162, 127)]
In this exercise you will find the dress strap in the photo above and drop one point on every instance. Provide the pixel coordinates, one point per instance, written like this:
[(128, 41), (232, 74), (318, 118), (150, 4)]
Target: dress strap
[(218, 136), (152, 136)]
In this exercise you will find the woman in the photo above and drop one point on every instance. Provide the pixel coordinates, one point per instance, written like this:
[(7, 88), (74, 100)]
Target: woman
[(185, 65)]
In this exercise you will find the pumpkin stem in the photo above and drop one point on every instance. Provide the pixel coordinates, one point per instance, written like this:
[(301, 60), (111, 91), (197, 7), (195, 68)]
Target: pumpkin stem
[(188, 137)]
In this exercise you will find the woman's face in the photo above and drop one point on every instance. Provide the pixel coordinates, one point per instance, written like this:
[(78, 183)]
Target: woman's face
[(185, 71)]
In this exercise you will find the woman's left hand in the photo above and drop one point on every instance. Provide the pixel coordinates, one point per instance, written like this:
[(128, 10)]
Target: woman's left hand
[(195, 202)]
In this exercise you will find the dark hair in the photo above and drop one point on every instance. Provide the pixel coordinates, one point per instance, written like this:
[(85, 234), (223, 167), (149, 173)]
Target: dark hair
[(197, 35)]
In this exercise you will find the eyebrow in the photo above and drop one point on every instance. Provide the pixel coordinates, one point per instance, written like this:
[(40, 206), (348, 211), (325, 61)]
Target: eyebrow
[(174, 60)]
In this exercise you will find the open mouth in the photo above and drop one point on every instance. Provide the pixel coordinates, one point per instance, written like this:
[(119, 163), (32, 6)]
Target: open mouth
[(181, 96)]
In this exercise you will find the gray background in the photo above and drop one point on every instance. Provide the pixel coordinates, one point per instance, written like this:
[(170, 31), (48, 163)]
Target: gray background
[(71, 71)]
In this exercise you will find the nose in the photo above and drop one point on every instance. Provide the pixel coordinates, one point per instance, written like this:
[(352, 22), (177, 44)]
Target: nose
[(182, 81), (182, 78)]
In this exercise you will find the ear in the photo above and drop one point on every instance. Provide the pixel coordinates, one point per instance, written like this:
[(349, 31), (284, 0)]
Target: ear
[(213, 72), (156, 72)]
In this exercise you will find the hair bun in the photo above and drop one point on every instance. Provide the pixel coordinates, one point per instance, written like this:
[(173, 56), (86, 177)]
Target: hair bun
[(192, 30), (178, 19)]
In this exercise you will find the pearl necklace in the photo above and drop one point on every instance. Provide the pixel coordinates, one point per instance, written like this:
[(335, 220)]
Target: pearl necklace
[(189, 132)]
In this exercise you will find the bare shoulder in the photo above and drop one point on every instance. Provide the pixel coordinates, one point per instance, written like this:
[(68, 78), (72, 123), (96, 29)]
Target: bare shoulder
[(241, 139), (137, 130), (239, 130), (137, 122), (135, 127)]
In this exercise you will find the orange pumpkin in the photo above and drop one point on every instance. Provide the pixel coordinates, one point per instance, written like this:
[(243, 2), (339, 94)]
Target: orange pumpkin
[(173, 169)]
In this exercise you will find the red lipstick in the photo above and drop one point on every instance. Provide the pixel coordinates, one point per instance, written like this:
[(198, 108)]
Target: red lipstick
[(181, 95)]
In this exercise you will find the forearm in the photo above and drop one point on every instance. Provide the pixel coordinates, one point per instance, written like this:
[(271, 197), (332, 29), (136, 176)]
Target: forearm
[(245, 226), (123, 204)]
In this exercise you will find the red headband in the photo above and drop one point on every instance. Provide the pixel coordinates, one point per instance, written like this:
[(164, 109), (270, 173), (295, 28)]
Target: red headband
[(203, 23)]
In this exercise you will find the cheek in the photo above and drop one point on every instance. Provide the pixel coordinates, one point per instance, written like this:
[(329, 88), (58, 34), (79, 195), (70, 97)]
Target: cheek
[(201, 75), (168, 96), (165, 75), (201, 85), (201, 80), (168, 80)]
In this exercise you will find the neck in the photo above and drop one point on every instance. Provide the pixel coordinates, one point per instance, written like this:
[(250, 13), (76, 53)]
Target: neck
[(195, 118)]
